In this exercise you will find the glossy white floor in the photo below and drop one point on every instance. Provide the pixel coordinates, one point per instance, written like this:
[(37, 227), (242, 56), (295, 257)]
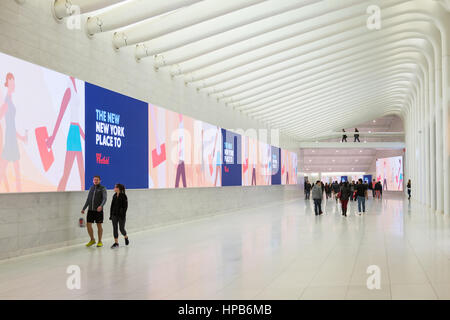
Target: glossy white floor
[(281, 251)]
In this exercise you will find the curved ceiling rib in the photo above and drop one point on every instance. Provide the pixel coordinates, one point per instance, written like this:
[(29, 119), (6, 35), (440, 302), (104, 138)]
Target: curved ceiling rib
[(315, 91), (317, 75), (259, 104), (216, 26), (177, 20), (299, 11), (65, 8), (302, 66), (131, 12)]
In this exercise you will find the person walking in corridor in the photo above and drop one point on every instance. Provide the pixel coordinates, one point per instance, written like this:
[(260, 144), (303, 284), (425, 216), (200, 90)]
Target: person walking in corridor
[(374, 183), (317, 197), (344, 195), (408, 186), (95, 201), (361, 195), (335, 186), (307, 190), (118, 211), (352, 189), (344, 136), (356, 136), (378, 190)]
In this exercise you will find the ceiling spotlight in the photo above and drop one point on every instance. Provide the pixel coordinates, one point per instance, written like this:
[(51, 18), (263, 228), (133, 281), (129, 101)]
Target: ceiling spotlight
[(360, 150), (374, 121)]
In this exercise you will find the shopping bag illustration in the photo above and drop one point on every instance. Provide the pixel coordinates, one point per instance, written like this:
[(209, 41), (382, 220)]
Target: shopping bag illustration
[(46, 154), (157, 159)]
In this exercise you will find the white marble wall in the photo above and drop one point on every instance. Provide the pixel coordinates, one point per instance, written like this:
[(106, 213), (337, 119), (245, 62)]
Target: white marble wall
[(34, 222)]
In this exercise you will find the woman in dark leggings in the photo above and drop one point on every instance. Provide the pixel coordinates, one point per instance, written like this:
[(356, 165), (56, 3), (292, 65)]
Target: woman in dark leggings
[(118, 213)]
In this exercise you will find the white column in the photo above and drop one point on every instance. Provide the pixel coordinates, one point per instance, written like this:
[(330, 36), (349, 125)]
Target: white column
[(445, 129), (439, 139), (432, 138), (426, 142)]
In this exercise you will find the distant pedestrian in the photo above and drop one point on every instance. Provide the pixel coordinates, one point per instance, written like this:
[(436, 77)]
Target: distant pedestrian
[(378, 190), (308, 187), (352, 190), (344, 195), (344, 136), (317, 195), (408, 186), (356, 136), (361, 194), (336, 188), (373, 187)]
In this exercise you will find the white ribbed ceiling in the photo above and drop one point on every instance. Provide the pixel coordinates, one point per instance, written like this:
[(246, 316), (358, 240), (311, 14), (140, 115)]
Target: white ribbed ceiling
[(303, 66)]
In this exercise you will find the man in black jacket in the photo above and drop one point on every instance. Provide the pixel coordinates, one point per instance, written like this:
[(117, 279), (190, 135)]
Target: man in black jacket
[(95, 201)]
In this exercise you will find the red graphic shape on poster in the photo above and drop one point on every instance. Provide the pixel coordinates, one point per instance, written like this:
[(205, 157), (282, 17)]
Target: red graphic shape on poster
[(46, 154), (157, 159), (245, 165), (226, 169), (211, 168), (283, 168)]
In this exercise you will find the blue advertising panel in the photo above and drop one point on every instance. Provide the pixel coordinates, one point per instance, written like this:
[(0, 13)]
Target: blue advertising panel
[(344, 178), (367, 178), (231, 159), (275, 164), (116, 138)]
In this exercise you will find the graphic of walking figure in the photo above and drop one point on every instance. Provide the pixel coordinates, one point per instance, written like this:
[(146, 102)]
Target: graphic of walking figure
[(10, 151), (181, 169), (71, 101), (385, 187)]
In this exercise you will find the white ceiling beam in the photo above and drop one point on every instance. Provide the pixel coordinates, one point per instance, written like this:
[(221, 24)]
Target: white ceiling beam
[(65, 8), (182, 18), (326, 91), (131, 12), (320, 71), (349, 73), (266, 11), (325, 10)]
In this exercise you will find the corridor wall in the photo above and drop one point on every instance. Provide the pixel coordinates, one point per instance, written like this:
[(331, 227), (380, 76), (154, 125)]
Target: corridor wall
[(56, 124), (31, 222)]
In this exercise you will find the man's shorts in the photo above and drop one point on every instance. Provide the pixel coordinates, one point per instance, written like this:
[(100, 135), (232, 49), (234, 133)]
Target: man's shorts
[(94, 217)]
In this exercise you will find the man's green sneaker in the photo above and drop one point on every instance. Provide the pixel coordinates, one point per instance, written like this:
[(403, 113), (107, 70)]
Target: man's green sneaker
[(99, 244), (90, 243)]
